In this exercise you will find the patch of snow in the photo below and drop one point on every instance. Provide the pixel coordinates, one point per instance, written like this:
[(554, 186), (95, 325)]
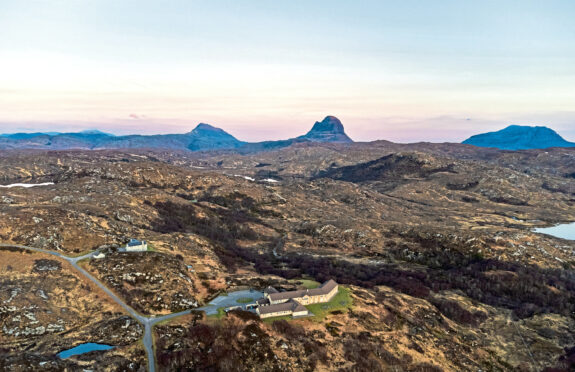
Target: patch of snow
[(27, 185), (245, 177), (270, 180)]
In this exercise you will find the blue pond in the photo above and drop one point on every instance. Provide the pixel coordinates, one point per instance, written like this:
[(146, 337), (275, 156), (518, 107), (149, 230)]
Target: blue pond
[(564, 231), (83, 348)]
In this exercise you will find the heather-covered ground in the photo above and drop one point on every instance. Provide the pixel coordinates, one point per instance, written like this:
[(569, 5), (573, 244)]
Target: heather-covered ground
[(434, 243)]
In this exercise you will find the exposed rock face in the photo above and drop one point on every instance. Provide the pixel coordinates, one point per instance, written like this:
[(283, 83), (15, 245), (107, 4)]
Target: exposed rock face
[(329, 129), (518, 137)]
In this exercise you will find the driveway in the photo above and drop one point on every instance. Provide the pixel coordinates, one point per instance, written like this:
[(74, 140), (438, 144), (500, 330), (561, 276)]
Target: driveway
[(231, 299)]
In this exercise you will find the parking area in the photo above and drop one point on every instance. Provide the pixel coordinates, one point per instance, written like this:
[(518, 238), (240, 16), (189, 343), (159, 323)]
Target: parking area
[(231, 300)]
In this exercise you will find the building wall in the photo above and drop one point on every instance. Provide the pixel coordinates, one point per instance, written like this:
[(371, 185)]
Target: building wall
[(278, 313), (317, 299), (300, 313), (331, 294), (279, 301), (306, 300), (137, 248)]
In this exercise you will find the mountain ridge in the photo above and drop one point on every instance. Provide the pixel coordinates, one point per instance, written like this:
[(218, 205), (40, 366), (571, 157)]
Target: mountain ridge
[(204, 137)]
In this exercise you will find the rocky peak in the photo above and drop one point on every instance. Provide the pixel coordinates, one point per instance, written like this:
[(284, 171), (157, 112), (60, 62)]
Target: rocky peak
[(203, 127), (329, 129)]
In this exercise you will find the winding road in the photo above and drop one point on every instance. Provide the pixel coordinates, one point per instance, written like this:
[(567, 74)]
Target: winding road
[(147, 322)]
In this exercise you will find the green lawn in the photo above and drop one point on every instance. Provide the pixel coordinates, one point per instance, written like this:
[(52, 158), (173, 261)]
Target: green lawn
[(308, 283), (221, 313), (245, 300), (271, 320), (83, 262), (342, 301)]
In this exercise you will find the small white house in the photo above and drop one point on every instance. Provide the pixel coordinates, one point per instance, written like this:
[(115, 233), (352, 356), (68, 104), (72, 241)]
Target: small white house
[(135, 245), (99, 255)]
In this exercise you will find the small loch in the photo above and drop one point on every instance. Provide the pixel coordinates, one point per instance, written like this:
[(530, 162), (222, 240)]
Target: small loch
[(563, 231), (82, 349)]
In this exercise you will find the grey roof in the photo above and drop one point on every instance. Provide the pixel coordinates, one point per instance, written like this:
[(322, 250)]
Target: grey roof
[(270, 289), (286, 306), (324, 289), (135, 242), (287, 295), (263, 301), (327, 286)]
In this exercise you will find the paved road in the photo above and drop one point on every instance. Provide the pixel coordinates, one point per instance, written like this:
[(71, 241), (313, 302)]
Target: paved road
[(212, 308), (147, 322)]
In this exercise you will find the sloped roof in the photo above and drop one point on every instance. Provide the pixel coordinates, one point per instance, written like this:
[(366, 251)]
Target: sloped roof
[(324, 289), (270, 289), (134, 242), (287, 295), (263, 301), (286, 306)]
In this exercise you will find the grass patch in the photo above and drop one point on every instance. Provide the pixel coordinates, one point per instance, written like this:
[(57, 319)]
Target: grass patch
[(79, 254), (342, 301), (83, 263), (244, 300), (221, 313), (271, 320), (307, 283), (164, 322)]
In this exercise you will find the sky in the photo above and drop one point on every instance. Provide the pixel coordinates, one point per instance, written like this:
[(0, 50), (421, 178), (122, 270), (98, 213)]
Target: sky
[(405, 71)]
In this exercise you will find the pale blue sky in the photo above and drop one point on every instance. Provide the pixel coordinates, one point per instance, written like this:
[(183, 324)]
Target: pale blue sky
[(398, 70)]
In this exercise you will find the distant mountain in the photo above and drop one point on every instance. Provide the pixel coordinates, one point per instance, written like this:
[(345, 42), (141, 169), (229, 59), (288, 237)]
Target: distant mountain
[(329, 129), (28, 135), (94, 131), (519, 137), (207, 137), (52, 134), (203, 138)]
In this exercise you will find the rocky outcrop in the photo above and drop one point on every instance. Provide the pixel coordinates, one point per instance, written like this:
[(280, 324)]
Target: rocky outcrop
[(329, 129)]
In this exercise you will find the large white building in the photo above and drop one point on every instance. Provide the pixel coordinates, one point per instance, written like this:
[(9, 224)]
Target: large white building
[(277, 303), (134, 245)]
